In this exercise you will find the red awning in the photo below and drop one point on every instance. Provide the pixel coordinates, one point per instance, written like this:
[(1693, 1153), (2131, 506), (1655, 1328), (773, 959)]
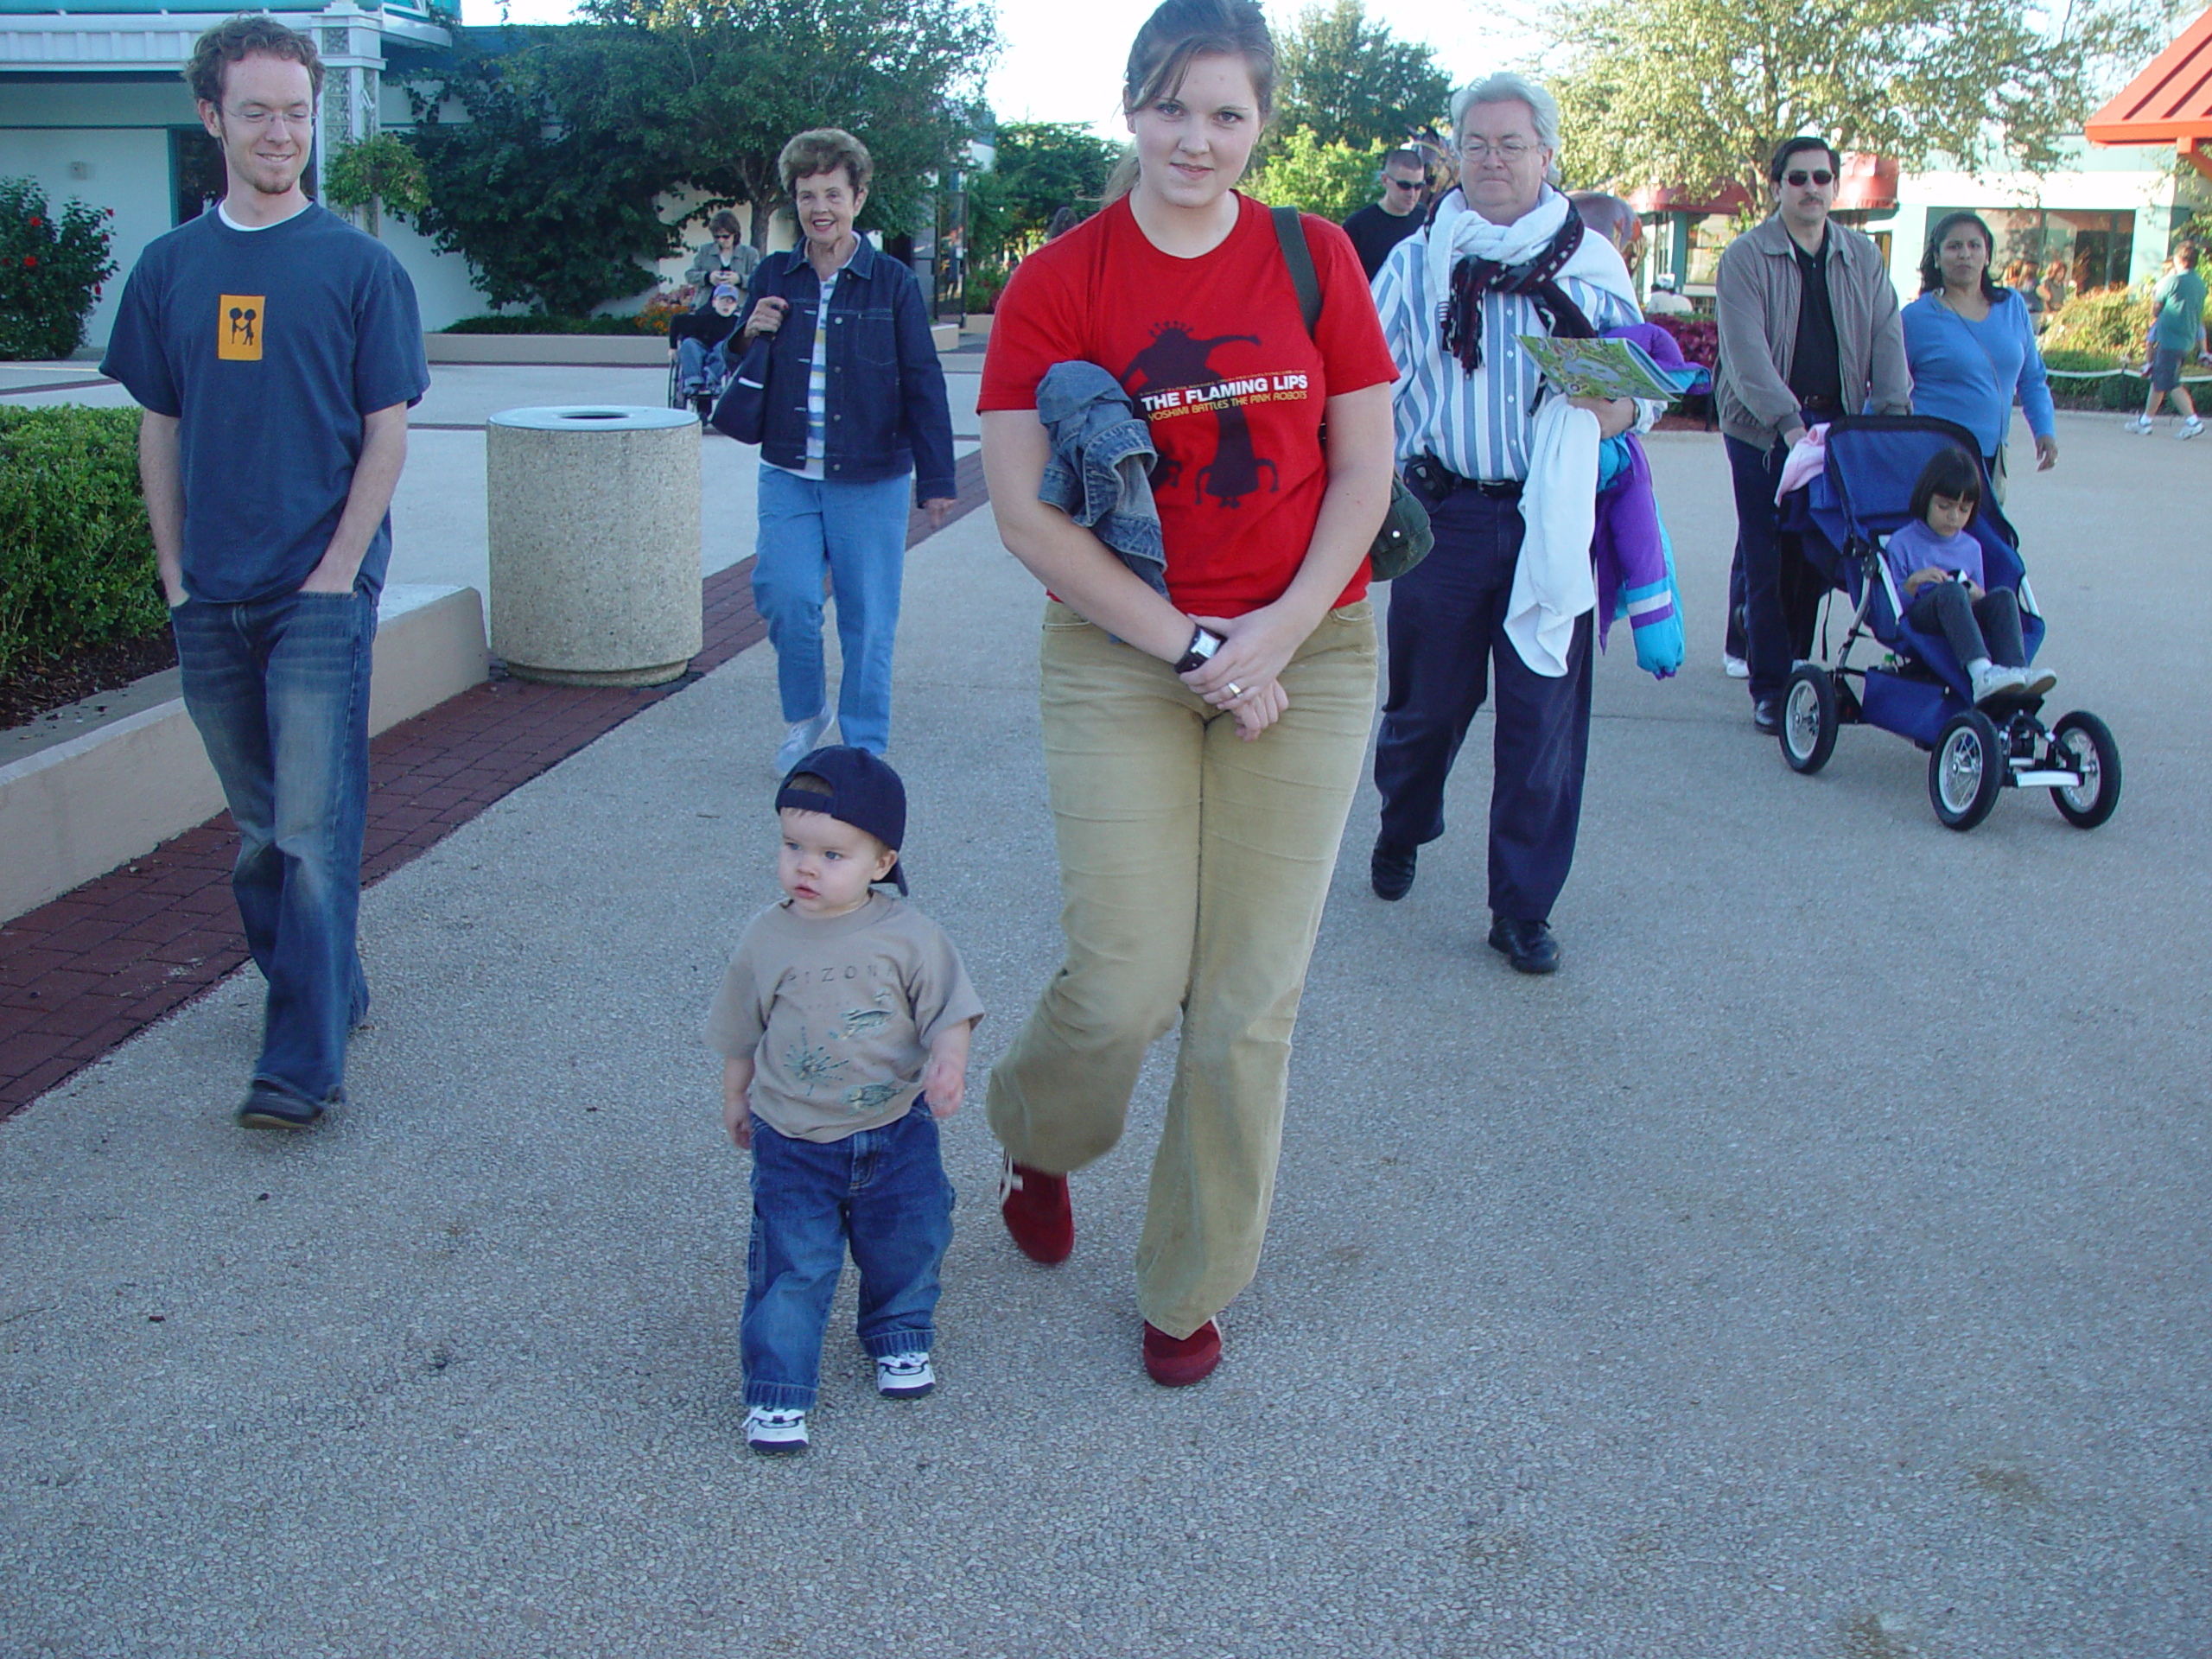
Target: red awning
[(1869, 184), (2169, 103)]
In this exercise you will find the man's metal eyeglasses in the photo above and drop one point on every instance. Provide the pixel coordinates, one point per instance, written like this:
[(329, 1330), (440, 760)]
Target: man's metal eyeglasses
[(254, 116), (1801, 178), (1481, 150)]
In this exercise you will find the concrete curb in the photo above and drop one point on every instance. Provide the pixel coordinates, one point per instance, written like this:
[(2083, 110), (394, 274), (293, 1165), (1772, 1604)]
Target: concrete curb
[(621, 351), (77, 810)]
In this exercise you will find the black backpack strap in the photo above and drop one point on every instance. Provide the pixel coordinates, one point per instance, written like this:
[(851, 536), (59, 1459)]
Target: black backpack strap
[(1299, 258)]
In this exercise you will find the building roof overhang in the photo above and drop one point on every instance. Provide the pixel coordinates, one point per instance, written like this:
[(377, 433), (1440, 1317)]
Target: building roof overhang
[(2169, 103)]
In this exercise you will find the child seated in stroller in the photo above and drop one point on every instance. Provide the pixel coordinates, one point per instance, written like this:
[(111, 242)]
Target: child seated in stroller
[(702, 343), (1936, 563)]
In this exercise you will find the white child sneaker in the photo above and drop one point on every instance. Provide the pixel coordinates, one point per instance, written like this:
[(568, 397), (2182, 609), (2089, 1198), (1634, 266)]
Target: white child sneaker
[(1992, 682), (801, 740), (904, 1376), (775, 1433), (2140, 426), (2190, 428), (2039, 682)]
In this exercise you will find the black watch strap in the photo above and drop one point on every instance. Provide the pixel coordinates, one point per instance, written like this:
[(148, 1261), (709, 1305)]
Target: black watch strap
[(1204, 643)]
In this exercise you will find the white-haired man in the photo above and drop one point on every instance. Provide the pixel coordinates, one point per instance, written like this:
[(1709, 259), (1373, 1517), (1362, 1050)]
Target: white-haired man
[(1502, 256)]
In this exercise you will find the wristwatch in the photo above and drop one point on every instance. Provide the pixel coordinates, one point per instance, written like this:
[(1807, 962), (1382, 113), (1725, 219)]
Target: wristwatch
[(1204, 643)]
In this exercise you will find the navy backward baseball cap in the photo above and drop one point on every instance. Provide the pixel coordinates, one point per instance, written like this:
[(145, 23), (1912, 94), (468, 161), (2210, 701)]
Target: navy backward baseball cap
[(863, 791)]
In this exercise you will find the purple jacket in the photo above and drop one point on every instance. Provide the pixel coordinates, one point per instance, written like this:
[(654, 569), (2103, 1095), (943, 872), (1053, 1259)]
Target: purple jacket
[(1631, 548)]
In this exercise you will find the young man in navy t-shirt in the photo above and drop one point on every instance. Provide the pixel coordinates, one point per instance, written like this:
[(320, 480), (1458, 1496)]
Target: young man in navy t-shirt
[(276, 350)]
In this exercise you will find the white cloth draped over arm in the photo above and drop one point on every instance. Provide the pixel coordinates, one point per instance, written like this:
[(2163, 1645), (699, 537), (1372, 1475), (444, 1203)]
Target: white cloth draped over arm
[(1553, 585)]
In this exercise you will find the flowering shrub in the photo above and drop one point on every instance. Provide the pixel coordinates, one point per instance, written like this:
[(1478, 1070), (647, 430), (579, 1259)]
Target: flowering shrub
[(50, 270), (1699, 337), (654, 318)]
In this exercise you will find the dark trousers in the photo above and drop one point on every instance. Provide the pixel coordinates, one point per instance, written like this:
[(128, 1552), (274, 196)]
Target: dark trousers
[(1988, 627), (1447, 628), (1781, 592)]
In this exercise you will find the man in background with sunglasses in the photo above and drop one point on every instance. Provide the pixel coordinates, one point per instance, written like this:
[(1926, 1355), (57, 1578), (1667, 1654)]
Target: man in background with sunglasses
[(1809, 329), (1381, 225)]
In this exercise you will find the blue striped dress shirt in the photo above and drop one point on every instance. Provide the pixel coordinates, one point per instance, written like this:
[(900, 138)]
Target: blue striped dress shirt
[(1478, 425)]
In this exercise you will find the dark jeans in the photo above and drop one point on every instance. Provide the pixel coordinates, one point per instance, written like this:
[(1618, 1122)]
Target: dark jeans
[(1447, 628), (1780, 593), (882, 1190), (279, 690), (1988, 627)]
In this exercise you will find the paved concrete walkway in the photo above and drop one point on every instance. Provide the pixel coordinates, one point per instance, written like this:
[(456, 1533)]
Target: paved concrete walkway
[(1816, 1266)]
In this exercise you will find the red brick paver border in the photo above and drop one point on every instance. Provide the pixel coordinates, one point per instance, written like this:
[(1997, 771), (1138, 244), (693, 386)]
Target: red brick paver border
[(80, 975)]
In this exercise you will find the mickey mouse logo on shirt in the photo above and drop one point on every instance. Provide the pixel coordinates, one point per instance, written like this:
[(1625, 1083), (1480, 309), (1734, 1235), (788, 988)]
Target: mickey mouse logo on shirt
[(238, 327)]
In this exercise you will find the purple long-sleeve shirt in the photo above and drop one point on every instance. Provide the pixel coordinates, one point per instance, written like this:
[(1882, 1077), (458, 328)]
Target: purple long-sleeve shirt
[(1915, 547)]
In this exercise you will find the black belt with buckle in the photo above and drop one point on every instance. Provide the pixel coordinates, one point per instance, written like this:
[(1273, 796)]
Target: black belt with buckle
[(1431, 480)]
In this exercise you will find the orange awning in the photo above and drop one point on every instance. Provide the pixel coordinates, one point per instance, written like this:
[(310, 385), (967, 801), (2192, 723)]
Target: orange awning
[(2169, 103)]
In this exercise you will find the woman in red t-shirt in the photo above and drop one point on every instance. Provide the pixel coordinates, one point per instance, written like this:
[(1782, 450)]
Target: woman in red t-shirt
[(1202, 746)]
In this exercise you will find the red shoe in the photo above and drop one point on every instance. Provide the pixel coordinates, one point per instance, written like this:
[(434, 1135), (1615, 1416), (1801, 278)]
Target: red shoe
[(1037, 1213), (1178, 1362)]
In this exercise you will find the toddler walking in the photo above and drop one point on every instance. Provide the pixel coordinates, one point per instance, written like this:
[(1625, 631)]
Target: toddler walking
[(1937, 565), (843, 1024)]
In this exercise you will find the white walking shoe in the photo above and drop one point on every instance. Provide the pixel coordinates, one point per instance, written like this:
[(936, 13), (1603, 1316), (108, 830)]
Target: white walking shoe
[(802, 740), (2140, 426), (775, 1433), (2190, 428), (1735, 667), (904, 1376)]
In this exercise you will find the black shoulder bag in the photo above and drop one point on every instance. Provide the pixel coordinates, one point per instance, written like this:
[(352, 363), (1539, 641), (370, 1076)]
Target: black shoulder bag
[(1405, 538)]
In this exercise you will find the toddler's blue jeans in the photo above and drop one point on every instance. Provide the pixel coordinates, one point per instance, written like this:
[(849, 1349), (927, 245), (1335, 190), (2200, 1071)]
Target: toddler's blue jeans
[(881, 1191)]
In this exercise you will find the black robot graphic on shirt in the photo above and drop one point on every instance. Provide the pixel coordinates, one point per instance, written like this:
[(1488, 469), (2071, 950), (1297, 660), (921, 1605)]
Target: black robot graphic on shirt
[(1176, 362)]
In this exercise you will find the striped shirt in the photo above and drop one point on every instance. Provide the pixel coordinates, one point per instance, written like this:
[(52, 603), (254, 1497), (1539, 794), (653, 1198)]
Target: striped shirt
[(1478, 424)]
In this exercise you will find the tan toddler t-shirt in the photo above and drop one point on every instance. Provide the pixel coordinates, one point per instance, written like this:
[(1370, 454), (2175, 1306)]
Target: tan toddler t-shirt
[(838, 1015)]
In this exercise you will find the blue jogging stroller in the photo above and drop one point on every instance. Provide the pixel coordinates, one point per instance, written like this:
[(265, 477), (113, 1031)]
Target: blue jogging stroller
[(1919, 690)]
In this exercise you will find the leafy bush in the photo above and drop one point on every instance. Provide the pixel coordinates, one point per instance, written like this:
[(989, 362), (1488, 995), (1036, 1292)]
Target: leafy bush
[(76, 555), (50, 270), (985, 284), (383, 168), (1329, 180), (2110, 321)]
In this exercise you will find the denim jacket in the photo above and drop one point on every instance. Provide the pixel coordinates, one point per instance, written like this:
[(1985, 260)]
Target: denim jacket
[(1099, 473), (885, 413)]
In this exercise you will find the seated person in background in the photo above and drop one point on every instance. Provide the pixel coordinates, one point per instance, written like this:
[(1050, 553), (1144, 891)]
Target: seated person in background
[(701, 343), (1665, 300), (724, 259), (1937, 565)]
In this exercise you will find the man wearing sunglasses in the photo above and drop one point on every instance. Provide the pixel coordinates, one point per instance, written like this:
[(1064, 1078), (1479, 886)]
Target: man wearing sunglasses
[(1381, 225), (1809, 329)]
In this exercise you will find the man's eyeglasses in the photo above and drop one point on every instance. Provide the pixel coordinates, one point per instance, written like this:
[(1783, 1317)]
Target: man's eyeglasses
[(1401, 184), (1801, 178), (1481, 150), (255, 115)]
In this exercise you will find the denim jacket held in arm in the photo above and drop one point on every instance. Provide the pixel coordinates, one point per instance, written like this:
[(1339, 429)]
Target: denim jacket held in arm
[(885, 412), (1099, 473)]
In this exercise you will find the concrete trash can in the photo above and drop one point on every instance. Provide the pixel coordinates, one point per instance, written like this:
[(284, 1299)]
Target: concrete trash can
[(594, 515)]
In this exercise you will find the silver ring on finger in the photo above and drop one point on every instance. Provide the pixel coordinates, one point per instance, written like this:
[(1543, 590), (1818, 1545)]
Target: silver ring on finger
[(1235, 690)]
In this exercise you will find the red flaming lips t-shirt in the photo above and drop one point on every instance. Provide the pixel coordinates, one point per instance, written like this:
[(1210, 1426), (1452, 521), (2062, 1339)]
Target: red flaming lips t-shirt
[(1215, 352)]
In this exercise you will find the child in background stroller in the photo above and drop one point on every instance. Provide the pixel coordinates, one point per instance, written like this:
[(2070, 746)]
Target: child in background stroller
[(1939, 566), (1862, 498)]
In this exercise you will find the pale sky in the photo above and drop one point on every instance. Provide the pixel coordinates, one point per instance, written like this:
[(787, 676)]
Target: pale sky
[(1064, 58)]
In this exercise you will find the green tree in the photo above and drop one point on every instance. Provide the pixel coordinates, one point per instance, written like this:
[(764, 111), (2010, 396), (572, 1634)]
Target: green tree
[(1696, 94), (1328, 179), (1350, 81), (736, 79), (551, 189), (1041, 166)]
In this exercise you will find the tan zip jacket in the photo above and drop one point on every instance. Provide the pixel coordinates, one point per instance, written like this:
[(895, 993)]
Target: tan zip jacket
[(1757, 295)]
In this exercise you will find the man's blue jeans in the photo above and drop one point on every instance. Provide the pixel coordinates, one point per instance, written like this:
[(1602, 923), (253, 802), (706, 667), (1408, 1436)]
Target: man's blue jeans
[(884, 1190), (279, 690), (858, 532)]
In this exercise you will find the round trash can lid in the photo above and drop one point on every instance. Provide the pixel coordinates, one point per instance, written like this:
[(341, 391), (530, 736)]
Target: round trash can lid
[(593, 418)]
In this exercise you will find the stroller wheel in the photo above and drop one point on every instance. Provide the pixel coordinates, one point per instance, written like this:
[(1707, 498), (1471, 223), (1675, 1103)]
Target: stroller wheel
[(1966, 770), (2084, 743), (1809, 718)]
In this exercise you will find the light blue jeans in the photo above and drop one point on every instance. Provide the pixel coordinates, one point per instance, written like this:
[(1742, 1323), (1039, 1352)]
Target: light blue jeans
[(279, 690), (858, 533)]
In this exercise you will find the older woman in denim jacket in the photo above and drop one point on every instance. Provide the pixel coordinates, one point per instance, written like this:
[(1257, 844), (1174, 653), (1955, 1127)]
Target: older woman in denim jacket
[(855, 406)]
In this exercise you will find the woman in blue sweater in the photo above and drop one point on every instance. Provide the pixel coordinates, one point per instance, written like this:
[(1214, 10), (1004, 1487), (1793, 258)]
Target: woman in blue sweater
[(1971, 345)]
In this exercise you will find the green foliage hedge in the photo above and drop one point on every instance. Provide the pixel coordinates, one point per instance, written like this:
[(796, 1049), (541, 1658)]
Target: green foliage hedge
[(76, 555), (537, 322)]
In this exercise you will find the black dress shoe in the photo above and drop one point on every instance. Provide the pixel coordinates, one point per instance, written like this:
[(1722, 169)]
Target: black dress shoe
[(1766, 714), (1528, 945), (1391, 870)]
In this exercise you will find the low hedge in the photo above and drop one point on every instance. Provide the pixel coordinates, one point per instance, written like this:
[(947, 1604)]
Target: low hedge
[(536, 322), (76, 555)]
